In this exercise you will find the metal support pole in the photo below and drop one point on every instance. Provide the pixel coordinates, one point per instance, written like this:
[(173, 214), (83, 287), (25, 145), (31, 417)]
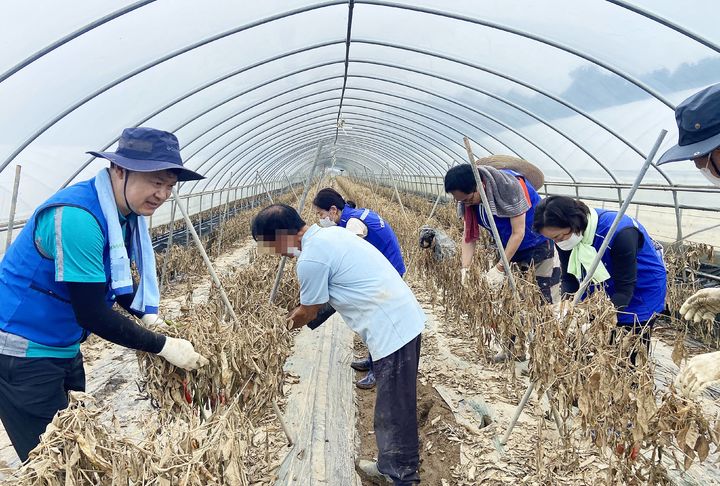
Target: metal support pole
[(265, 187), (223, 215), (397, 193), (200, 218), (205, 258), (168, 247), (290, 184), (591, 271), (491, 219), (187, 231), (678, 217), (432, 212), (13, 206), (301, 205)]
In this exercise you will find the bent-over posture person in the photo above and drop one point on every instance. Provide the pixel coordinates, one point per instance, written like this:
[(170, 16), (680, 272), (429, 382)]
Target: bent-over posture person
[(66, 269), (335, 266), (512, 200), (631, 271), (333, 210)]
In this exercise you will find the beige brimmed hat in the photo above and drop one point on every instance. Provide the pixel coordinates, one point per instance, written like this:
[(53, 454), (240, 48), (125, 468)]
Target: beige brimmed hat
[(531, 172)]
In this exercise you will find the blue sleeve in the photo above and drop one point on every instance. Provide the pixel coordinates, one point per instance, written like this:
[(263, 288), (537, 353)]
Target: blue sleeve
[(72, 237), (314, 279)]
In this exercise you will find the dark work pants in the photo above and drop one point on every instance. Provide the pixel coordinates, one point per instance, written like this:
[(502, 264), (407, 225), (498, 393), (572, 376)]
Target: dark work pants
[(644, 330), (32, 390), (396, 429)]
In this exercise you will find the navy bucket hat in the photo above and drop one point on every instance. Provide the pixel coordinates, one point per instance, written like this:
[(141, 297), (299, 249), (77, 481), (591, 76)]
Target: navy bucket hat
[(698, 120), (144, 149)]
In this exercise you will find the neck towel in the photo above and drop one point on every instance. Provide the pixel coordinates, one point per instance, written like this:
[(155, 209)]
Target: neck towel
[(147, 297), (506, 195), (582, 256)]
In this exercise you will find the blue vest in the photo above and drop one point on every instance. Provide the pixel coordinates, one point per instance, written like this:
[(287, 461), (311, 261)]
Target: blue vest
[(32, 304), (651, 287), (380, 234), (531, 239)]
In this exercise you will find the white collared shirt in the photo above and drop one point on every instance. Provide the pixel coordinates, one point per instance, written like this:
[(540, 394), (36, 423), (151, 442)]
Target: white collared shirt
[(336, 266)]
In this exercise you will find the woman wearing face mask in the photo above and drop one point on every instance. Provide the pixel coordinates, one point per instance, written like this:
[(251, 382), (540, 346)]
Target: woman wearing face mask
[(631, 270), (698, 121), (333, 210)]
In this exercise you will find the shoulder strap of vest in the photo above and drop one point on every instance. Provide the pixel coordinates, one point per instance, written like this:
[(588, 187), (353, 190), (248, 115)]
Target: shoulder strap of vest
[(521, 180), (364, 214)]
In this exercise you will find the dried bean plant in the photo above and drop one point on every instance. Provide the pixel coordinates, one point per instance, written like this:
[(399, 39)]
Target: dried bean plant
[(581, 358), (79, 449)]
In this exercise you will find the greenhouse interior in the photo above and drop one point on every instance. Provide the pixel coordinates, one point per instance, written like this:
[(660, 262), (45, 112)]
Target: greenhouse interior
[(179, 187)]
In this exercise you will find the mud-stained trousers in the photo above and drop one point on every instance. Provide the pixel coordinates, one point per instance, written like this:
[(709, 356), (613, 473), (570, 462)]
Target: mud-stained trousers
[(396, 429)]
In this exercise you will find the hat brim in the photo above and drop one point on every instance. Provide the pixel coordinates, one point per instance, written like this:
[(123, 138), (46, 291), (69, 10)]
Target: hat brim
[(146, 165), (689, 152), (531, 172)]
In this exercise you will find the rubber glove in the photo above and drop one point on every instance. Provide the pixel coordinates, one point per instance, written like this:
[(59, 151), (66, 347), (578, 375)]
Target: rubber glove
[(704, 305), (181, 353), (463, 276), (699, 373), (494, 278), (152, 320)]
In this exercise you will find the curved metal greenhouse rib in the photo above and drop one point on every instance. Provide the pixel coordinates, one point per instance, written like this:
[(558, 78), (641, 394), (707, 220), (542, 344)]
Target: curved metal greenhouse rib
[(399, 101)]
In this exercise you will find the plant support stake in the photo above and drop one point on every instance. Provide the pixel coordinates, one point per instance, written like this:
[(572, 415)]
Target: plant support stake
[(490, 218), (265, 187), (301, 204)]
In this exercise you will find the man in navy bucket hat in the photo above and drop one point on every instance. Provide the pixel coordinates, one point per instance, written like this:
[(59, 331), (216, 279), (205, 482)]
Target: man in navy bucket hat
[(143, 149), (698, 121), (67, 268)]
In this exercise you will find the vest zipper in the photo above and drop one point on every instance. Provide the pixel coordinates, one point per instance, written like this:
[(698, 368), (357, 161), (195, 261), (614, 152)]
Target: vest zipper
[(50, 293)]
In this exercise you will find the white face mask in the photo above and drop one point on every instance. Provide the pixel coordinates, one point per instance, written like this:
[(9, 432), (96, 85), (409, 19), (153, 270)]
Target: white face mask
[(294, 251), (705, 171), (326, 222), (570, 243)]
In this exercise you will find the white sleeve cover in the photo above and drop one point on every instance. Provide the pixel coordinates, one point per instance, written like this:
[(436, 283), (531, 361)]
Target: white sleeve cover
[(357, 227)]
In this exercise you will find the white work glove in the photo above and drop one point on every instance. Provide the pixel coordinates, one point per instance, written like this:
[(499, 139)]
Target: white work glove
[(463, 276), (699, 373), (704, 305), (494, 278), (181, 353), (579, 321), (152, 320)]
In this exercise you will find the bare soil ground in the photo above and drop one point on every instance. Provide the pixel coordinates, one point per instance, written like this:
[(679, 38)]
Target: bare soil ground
[(438, 452)]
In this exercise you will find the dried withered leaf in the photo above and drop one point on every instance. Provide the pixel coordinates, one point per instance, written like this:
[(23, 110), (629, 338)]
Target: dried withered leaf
[(702, 447), (678, 352)]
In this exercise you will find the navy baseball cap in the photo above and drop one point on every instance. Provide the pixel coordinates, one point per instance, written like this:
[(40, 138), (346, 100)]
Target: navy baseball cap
[(698, 120), (144, 149)]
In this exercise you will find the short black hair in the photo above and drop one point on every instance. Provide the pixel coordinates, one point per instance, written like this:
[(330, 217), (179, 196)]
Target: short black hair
[(350, 203), (325, 198), (561, 212), (460, 178), (276, 219)]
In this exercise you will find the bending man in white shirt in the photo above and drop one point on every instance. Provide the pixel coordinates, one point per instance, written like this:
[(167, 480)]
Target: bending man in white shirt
[(336, 266)]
